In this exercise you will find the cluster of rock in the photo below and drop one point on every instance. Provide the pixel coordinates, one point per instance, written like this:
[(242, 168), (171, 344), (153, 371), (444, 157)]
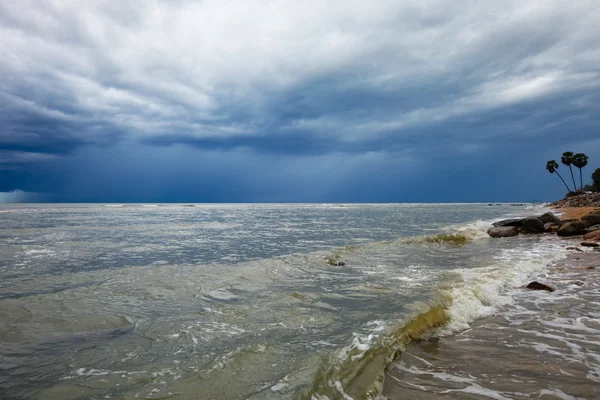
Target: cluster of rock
[(588, 225), (580, 200)]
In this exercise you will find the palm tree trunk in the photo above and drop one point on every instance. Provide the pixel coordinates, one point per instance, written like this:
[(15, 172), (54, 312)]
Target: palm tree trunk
[(572, 177), (563, 181), (580, 179)]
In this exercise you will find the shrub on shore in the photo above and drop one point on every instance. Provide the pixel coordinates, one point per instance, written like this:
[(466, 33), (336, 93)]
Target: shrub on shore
[(596, 179)]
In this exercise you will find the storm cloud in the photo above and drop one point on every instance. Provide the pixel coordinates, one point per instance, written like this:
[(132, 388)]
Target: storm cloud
[(386, 89)]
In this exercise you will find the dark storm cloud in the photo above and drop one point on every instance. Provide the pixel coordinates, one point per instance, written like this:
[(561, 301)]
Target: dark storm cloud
[(441, 80)]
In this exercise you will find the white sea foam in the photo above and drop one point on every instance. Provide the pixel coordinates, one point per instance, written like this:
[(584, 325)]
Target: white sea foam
[(221, 294), (474, 230), (39, 252), (473, 386), (556, 393), (363, 340), (482, 290)]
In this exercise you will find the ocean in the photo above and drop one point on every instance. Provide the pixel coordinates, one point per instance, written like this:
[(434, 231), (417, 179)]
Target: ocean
[(241, 301)]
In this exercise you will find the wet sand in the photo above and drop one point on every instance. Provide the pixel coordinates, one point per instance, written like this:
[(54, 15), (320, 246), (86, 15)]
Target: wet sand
[(545, 345)]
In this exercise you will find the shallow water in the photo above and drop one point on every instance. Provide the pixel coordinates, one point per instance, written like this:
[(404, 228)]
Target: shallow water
[(239, 301), (541, 345)]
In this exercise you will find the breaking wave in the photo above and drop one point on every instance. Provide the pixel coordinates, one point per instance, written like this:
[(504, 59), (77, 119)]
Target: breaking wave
[(357, 370)]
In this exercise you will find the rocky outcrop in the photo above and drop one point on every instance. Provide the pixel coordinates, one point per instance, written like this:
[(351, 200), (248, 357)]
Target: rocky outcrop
[(539, 286), (532, 225), (582, 200), (503, 231), (547, 222), (509, 222), (573, 228)]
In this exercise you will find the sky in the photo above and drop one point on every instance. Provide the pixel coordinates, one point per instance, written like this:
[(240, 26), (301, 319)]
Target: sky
[(295, 101)]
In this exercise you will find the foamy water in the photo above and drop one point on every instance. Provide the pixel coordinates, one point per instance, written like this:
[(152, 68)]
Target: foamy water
[(239, 301), (537, 345)]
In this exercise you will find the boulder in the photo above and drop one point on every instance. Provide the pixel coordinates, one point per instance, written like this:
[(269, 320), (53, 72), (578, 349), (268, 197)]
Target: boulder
[(509, 222), (573, 228), (565, 221), (539, 286), (593, 218), (549, 217), (595, 236), (503, 231), (532, 225), (590, 244)]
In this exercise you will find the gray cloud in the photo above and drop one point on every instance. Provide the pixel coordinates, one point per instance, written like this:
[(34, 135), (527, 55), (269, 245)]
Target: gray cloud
[(307, 78)]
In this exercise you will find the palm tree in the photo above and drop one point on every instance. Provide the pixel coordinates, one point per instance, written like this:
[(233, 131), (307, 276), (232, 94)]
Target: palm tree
[(567, 159), (580, 161), (552, 166)]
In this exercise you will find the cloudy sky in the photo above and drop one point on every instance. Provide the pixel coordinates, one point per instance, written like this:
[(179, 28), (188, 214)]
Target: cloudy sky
[(276, 101)]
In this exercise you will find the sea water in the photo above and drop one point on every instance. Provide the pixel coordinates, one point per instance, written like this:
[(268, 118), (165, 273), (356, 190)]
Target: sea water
[(242, 301)]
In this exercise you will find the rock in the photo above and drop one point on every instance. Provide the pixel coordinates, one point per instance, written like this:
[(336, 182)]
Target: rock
[(593, 228), (549, 217), (593, 218), (574, 248), (565, 221), (572, 228), (539, 286), (509, 222), (592, 236), (591, 267), (338, 264), (590, 244), (532, 225), (550, 227), (503, 231)]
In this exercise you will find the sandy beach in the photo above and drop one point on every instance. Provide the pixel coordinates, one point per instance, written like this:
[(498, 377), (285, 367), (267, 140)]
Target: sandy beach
[(574, 212)]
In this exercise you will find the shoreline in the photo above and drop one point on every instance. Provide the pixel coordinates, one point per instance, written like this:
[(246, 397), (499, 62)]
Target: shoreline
[(545, 344)]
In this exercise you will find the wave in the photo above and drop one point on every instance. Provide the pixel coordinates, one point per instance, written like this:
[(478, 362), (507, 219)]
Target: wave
[(458, 239), (357, 371)]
